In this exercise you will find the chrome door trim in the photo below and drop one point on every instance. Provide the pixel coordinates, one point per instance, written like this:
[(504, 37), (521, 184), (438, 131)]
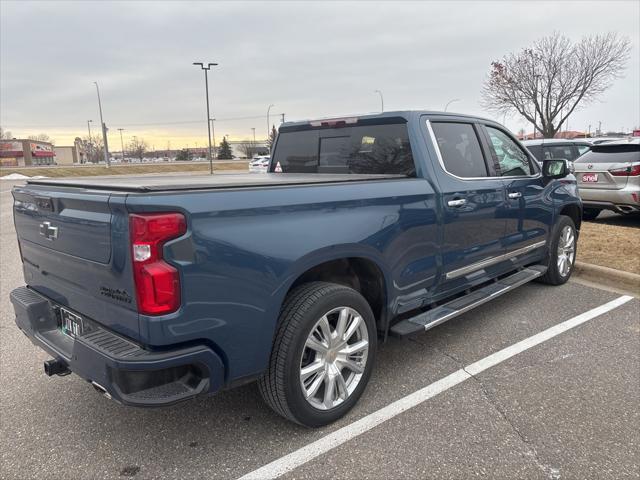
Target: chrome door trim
[(487, 262), (434, 141)]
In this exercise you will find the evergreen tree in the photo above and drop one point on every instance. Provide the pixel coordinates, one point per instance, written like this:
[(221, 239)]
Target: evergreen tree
[(224, 151), (272, 137)]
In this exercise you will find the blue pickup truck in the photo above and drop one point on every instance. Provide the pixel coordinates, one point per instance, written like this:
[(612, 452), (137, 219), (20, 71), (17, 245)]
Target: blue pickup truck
[(158, 289)]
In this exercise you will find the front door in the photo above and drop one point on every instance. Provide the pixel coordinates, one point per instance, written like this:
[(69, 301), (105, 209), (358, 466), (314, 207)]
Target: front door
[(529, 212)]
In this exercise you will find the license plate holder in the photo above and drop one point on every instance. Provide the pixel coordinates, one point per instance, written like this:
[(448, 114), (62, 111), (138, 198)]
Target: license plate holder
[(69, 323), (589, 177)]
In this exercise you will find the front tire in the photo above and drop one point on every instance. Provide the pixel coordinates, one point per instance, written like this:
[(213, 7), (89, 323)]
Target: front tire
[(322, 356), (562, 252)]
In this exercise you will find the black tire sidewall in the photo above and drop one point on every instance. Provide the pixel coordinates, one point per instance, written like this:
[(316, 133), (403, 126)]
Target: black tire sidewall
[(305, 413), (553, 273)]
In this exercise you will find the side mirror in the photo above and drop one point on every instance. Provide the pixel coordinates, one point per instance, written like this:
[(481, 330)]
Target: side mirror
[(556, 168)]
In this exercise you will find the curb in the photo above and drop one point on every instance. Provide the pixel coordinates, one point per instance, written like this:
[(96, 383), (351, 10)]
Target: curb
[(608, 276)]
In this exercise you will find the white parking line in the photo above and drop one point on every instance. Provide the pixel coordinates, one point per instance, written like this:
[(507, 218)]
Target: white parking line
[(323, 445)]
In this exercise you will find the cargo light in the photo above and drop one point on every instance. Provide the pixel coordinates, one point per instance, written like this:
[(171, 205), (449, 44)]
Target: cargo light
[(334, 122), (631, 171), (157, 283)]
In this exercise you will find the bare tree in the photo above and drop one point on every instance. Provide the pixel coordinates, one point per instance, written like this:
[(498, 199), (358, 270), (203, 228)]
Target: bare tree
[(137, 147), (5, 134), (93, 147), (42, 137), (547, 82), (248, 148)]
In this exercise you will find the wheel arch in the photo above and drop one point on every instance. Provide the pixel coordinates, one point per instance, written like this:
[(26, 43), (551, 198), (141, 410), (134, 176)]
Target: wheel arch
[(574, 212), (356, 268)]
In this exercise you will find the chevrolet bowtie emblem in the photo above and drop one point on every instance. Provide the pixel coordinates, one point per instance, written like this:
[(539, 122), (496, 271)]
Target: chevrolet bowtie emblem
[(47, 231)]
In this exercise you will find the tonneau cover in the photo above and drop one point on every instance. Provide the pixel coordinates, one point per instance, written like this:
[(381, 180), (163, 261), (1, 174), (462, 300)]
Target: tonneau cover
[(153, 183)]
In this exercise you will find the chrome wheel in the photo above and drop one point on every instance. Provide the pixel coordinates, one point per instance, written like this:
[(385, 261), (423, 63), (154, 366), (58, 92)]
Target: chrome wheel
[(566, 250), (334, 358)]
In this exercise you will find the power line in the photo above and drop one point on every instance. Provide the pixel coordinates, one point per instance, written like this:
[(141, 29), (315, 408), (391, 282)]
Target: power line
[(149, 124)]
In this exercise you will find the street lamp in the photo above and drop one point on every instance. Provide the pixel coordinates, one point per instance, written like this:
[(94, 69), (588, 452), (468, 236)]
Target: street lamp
[(206, 69), (89, 127), (268, 122), (121, 143), (104, 128), (213, 134), (381, 100), (450, 102)]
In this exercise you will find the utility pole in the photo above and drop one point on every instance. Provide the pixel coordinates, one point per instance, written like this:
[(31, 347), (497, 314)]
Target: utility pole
[(254, 134), (104, 129), (599, 127), (121, 143), (89, 127), (268, 122), (381, 100), (206, 86), (282, 117)]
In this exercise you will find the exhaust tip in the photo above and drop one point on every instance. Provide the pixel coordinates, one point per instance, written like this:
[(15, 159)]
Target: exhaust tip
[(99, 388), (56, 367)]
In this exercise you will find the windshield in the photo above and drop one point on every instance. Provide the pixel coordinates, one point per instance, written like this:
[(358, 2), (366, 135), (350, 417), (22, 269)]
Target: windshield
[(363, 149)]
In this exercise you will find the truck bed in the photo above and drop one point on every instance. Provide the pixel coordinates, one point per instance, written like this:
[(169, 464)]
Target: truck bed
[(157, 183)]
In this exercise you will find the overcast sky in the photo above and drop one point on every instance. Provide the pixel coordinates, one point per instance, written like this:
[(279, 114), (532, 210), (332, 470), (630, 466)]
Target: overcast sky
[(309, 59)]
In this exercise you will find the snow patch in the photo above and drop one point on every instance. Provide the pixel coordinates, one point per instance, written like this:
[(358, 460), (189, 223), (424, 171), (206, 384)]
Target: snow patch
[(19, 176)]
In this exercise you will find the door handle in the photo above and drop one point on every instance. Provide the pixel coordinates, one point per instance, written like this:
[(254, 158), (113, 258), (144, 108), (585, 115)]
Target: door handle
[(514, 194), (457, 203)]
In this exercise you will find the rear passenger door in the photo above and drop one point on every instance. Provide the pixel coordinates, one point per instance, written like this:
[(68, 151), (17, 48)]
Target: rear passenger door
[(473, 199), (529, 212)]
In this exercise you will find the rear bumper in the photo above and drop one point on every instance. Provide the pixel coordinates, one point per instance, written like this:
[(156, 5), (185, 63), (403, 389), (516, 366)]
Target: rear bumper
[(624, 200), (121, 368)]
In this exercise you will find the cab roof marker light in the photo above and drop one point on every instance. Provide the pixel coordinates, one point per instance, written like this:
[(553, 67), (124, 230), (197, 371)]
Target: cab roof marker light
[(333, 122)]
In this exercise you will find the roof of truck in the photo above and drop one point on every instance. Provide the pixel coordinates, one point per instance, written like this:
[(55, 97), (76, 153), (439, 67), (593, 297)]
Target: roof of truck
[(406, 114)]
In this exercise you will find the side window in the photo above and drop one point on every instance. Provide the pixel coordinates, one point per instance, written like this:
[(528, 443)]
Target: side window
[(460, 149), (559, 151), (512, 159), (582, 149)]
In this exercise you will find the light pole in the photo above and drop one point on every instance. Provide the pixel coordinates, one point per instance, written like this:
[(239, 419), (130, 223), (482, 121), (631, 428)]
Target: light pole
[(206, 69), (254, 134), (104, 128), (121, 143), (89, 145), (213, 133), (379, 92), (268, 122), (450, 102)]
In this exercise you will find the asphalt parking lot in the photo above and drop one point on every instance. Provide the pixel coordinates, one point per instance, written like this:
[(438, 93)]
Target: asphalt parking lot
[(566, 408)]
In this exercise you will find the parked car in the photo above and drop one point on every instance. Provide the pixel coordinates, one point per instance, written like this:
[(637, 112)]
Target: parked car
[(156, 289), (609, 178), (259, 164), (548, 148)]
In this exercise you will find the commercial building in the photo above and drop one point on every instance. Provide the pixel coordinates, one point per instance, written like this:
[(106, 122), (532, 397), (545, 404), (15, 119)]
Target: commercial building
[(24, 153), (70, 155)]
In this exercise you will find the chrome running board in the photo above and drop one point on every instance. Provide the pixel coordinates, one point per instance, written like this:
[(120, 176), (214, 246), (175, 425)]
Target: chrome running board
[(431, 318)]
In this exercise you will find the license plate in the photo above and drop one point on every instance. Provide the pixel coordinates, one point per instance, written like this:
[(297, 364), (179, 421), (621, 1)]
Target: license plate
[(70, 323), (589, 177)]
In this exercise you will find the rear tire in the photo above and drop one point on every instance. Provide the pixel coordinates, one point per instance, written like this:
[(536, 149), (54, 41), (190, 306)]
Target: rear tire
[(590, 213), (562, 252), (314, 322)]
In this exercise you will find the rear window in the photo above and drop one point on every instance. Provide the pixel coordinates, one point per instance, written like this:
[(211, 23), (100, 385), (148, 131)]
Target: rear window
[(606, 153), (364, 149)]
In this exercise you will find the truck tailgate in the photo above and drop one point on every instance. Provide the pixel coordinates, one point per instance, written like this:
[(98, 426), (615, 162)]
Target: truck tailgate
[(66, 238)]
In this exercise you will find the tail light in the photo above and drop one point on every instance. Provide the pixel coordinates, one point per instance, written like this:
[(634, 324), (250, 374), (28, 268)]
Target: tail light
[(157, 282), (631, 171)]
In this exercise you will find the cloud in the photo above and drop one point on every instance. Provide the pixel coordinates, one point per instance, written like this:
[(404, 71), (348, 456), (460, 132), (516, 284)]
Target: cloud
[(309, 59)]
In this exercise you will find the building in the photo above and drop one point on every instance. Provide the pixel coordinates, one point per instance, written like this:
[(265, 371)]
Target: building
[(71, 155), (25, 153)]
